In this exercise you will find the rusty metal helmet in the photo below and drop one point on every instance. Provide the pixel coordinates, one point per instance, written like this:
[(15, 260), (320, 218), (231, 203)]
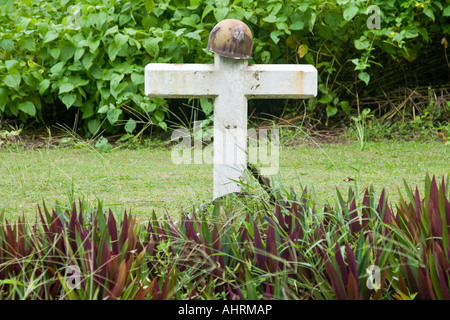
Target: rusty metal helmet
[(231, 38)]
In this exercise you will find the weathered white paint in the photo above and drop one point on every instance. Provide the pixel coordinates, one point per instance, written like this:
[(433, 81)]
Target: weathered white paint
[(230, 82)]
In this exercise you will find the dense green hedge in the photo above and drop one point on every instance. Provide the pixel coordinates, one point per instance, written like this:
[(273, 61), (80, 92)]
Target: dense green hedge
[(88, 56)]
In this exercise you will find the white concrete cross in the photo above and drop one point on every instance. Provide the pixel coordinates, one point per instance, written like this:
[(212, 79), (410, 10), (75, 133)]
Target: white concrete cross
[(230, 82)]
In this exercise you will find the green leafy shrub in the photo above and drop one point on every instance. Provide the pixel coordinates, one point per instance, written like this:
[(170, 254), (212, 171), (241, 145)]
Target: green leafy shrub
[(88, 56)]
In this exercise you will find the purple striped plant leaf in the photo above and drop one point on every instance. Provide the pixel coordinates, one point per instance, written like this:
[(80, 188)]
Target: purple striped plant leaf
[(425, 286), (112, 229), (341, 264), (191, 233), (105, 255), (335, 281), (233, 296), (21, 239), (268, 293), (365, 211), (353, 287), (143, 292), (271, 247), (355, 225), (119, 281), (123, 230), (435, 218), (443, 279), (261, 257), (351, 261), (418, 205)]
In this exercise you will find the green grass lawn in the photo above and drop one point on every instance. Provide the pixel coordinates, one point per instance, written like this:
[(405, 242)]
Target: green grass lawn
[(144, 179)]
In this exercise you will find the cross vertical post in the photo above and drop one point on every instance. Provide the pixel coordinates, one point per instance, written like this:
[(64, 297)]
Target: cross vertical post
[(230, 127)]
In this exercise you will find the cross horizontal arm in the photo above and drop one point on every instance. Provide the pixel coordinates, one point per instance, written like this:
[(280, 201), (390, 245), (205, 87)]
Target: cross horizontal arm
[(281, 81), (166, 80)]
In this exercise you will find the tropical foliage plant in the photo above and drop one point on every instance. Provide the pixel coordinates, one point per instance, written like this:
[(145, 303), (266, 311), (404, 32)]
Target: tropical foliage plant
[(82, 61), (287, 249)]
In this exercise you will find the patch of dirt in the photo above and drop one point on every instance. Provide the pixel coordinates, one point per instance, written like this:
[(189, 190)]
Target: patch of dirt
[(40, 139), (332, 136), (28, 140)]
